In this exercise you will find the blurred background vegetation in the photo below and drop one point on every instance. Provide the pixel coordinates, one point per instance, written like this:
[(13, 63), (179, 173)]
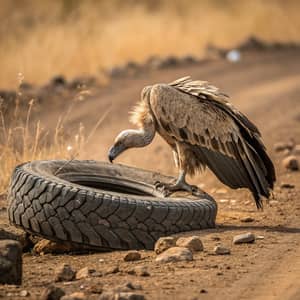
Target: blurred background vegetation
[(43, 38)]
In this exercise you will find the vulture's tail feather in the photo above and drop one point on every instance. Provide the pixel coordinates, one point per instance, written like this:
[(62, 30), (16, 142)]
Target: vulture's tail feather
[(247, 169)]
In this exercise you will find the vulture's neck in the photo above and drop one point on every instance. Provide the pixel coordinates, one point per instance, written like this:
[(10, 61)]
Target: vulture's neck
[(143, 136)]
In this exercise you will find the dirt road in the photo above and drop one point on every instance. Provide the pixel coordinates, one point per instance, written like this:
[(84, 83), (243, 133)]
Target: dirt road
[(266, 87)]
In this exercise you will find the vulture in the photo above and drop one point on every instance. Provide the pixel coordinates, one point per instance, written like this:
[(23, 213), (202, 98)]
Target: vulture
[(204, 130)]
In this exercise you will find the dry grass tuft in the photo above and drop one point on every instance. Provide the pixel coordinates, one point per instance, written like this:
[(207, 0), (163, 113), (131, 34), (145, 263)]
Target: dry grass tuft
[(44, 38), (25, 139)]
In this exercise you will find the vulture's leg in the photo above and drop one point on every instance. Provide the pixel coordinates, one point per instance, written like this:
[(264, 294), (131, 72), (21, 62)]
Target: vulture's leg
[(179, 185)]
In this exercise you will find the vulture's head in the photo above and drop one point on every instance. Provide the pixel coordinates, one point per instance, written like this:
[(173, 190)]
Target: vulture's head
[(125, 140)]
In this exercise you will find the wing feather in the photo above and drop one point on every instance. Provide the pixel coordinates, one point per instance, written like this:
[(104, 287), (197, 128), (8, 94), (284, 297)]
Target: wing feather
[(197, 114)]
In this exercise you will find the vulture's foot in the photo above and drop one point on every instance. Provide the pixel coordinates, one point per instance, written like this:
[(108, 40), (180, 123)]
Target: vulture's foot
[(167, 189)]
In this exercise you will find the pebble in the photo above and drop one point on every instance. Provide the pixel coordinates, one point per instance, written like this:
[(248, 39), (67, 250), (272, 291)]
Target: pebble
[(247, 219), (64, 273), (10, 262), (74, 296), (45, 246), (141, 271), (24, 293), (52, 293), (259, 237), (244, 238), (221, 250), (132, 256), (164, 243), (291, 163), (193, 243), (175, 254), (84, 273)]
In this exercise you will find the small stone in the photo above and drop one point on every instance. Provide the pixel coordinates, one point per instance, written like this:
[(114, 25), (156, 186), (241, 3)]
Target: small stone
[(221, 250), (175, 254), (291, 163), (84, 273), (247, 219), (64, 273), (141, 271), (244, 238), (193, 243), (285, 185), (45, 246), (24, 293), (132, 256), (164, 243), (10, 262), (52, 293), (74, 296), (259, 237)]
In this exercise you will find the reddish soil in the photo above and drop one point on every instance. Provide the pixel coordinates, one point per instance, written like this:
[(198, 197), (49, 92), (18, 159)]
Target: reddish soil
[(265, 86)]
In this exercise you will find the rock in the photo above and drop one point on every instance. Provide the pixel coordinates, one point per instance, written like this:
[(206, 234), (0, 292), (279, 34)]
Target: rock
[(175, 254), (247, 219), (64, 273), (203, 291), (84, 273), (291, 163), (10, 262), (193, 243), (164, 243), (132, 256), (45, 246), (141, 271), (286, 185), (221, 250), (74, 296), (259, 237), (52, 293), (244, 238), (24, 293)]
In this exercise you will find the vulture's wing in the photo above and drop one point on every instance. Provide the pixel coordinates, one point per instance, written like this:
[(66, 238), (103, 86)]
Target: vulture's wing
[(197, 114)]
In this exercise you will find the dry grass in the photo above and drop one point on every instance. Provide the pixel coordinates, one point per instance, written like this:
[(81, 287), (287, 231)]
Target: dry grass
[(44, 38), (25, 139)]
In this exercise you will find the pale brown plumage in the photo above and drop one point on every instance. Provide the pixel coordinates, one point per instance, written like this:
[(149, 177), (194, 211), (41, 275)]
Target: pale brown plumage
[(204, 129)]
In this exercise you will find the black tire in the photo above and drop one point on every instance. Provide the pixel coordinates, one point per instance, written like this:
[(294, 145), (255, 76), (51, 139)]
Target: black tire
[(101, 205)]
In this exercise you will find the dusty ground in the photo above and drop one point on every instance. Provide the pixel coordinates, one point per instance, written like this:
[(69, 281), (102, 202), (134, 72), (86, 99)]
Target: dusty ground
[(265, 86)]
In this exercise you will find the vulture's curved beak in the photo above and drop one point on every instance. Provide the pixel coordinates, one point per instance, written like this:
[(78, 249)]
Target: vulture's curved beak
[(115, 151)]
